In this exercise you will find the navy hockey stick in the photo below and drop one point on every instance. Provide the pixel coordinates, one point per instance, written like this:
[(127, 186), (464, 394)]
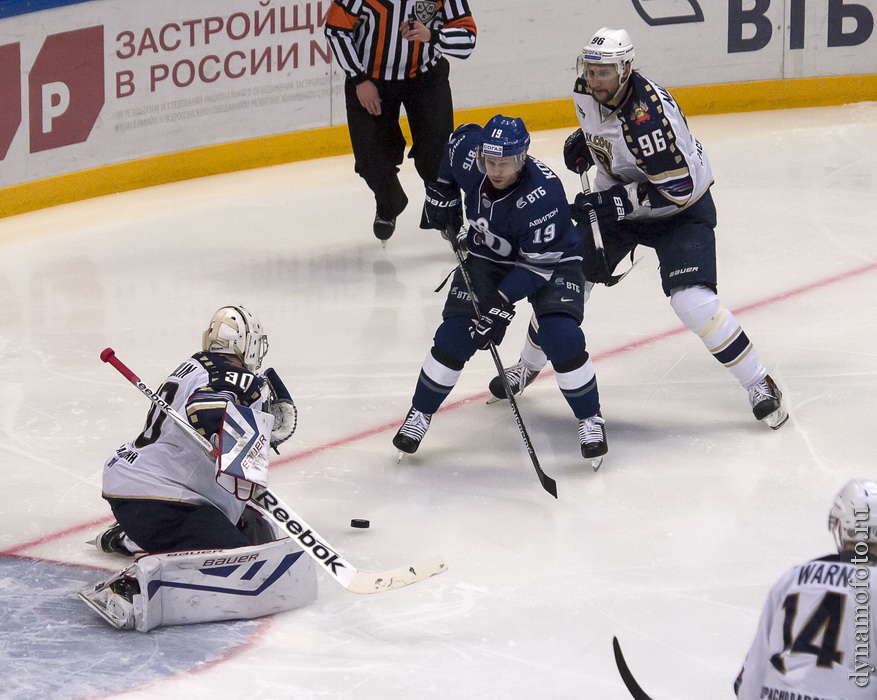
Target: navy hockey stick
[(547, 482), (636, 692), (266, 502)]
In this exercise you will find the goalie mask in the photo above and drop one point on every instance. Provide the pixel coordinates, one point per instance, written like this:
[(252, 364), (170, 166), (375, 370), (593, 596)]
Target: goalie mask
[(235, 331), (853, 515), (503, 137)]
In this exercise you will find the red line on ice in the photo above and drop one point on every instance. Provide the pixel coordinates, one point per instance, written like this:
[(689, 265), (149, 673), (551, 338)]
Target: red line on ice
[(362, 435)]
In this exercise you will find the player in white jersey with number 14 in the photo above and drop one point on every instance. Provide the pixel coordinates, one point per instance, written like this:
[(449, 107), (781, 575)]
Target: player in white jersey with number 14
[(817, 633)]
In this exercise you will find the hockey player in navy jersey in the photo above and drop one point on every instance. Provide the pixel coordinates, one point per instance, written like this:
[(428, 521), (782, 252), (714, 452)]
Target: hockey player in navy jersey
[(816, 634), (652, 188), (521, 244)]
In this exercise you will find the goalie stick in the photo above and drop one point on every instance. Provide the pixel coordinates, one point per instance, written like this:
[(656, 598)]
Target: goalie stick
[(547, 482), (636, 692), (267, 502)]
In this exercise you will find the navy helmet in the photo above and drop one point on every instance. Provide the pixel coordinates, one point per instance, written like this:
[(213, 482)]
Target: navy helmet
[(505, 136)]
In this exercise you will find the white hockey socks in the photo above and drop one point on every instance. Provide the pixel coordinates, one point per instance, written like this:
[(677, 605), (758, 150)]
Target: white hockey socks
[(531, 354), (700, 311)]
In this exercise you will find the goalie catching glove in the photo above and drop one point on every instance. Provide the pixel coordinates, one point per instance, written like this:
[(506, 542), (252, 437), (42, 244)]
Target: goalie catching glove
[(442, 207), (496, 314), (282, 407)]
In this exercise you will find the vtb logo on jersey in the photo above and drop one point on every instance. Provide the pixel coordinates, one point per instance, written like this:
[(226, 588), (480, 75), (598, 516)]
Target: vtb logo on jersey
[(424, 10)]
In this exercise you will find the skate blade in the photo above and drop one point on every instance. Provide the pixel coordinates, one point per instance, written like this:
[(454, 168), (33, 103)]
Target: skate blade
[(777, 419), (493, 399), (400, 456), (596, 462)]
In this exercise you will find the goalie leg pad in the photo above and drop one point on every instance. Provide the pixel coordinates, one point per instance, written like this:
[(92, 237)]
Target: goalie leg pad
[(179, 588)]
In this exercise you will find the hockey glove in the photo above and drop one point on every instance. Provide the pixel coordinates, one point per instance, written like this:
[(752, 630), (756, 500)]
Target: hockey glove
[(282, 408), (576, 153), (496, 314), (610, 205), (442, 208)]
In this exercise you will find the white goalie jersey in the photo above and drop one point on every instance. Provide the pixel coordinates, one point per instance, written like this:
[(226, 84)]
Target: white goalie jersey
[(816, 636), (166, 464)]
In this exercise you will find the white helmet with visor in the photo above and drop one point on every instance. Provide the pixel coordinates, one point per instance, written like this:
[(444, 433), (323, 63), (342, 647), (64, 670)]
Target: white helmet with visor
[(607, 47)]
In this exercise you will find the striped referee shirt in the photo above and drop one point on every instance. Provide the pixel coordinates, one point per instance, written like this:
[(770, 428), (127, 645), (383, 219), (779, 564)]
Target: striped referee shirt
[(366, 41)]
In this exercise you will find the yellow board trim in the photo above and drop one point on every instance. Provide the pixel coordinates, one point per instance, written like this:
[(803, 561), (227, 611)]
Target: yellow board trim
[(333, 141)]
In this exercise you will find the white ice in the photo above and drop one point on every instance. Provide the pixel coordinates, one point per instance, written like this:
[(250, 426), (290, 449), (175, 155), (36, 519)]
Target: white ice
[(671, 546)]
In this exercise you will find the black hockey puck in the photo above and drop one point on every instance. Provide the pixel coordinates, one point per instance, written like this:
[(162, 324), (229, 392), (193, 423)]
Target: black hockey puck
[(359, 522)]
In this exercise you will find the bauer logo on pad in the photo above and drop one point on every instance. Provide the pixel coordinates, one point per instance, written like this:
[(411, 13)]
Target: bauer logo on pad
[(244, 443)]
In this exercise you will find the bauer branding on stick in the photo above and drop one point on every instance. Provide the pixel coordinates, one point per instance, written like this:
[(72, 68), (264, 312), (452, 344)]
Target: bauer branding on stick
[(360, 523)]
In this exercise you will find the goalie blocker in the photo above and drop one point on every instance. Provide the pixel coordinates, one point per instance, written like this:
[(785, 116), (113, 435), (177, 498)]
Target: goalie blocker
[(178, 588)]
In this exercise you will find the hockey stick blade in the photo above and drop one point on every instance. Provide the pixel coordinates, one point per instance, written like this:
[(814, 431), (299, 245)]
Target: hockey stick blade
[(365, 582), (636, 692), (307, 538)]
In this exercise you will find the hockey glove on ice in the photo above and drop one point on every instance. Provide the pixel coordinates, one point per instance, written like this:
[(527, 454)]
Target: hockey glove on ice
[(576, 153), (442, 208), (496, 314), (610, 205)]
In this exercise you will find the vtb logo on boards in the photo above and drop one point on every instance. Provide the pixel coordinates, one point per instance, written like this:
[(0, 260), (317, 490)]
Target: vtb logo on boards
[(65, 90)]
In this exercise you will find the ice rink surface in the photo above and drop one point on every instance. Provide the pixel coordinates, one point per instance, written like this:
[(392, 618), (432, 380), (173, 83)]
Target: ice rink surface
[(671, 546)]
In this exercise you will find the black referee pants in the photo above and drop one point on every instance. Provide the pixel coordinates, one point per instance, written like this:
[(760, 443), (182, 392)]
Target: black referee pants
[(378, 143)]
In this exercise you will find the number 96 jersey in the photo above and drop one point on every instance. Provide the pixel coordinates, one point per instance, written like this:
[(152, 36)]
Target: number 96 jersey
[(816, 634), (163, 462), (644, 143)]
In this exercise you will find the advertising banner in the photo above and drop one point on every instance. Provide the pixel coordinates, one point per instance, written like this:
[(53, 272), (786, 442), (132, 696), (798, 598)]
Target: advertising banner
[(101, 82)]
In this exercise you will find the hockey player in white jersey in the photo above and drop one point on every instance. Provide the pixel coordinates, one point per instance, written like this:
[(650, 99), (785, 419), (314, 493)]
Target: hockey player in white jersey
[(816, 636), (652, 189), (188, 518)]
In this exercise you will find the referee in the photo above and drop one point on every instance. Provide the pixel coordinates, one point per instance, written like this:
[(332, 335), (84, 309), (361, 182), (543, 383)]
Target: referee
[(393, 54)]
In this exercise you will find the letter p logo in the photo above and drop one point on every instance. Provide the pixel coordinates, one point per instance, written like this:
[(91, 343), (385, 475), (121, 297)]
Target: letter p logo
[(66, 88)]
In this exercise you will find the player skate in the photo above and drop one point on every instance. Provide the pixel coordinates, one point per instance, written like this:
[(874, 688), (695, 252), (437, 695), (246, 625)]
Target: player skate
[(592, 435), (766, 400), (113, 600), (113, 541), (519, 377), (409, 436), (384, 229)]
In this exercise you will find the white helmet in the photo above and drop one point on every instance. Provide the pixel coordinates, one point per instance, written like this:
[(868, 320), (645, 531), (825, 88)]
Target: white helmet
[(235, 331), (607, 47), (853, 515)]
